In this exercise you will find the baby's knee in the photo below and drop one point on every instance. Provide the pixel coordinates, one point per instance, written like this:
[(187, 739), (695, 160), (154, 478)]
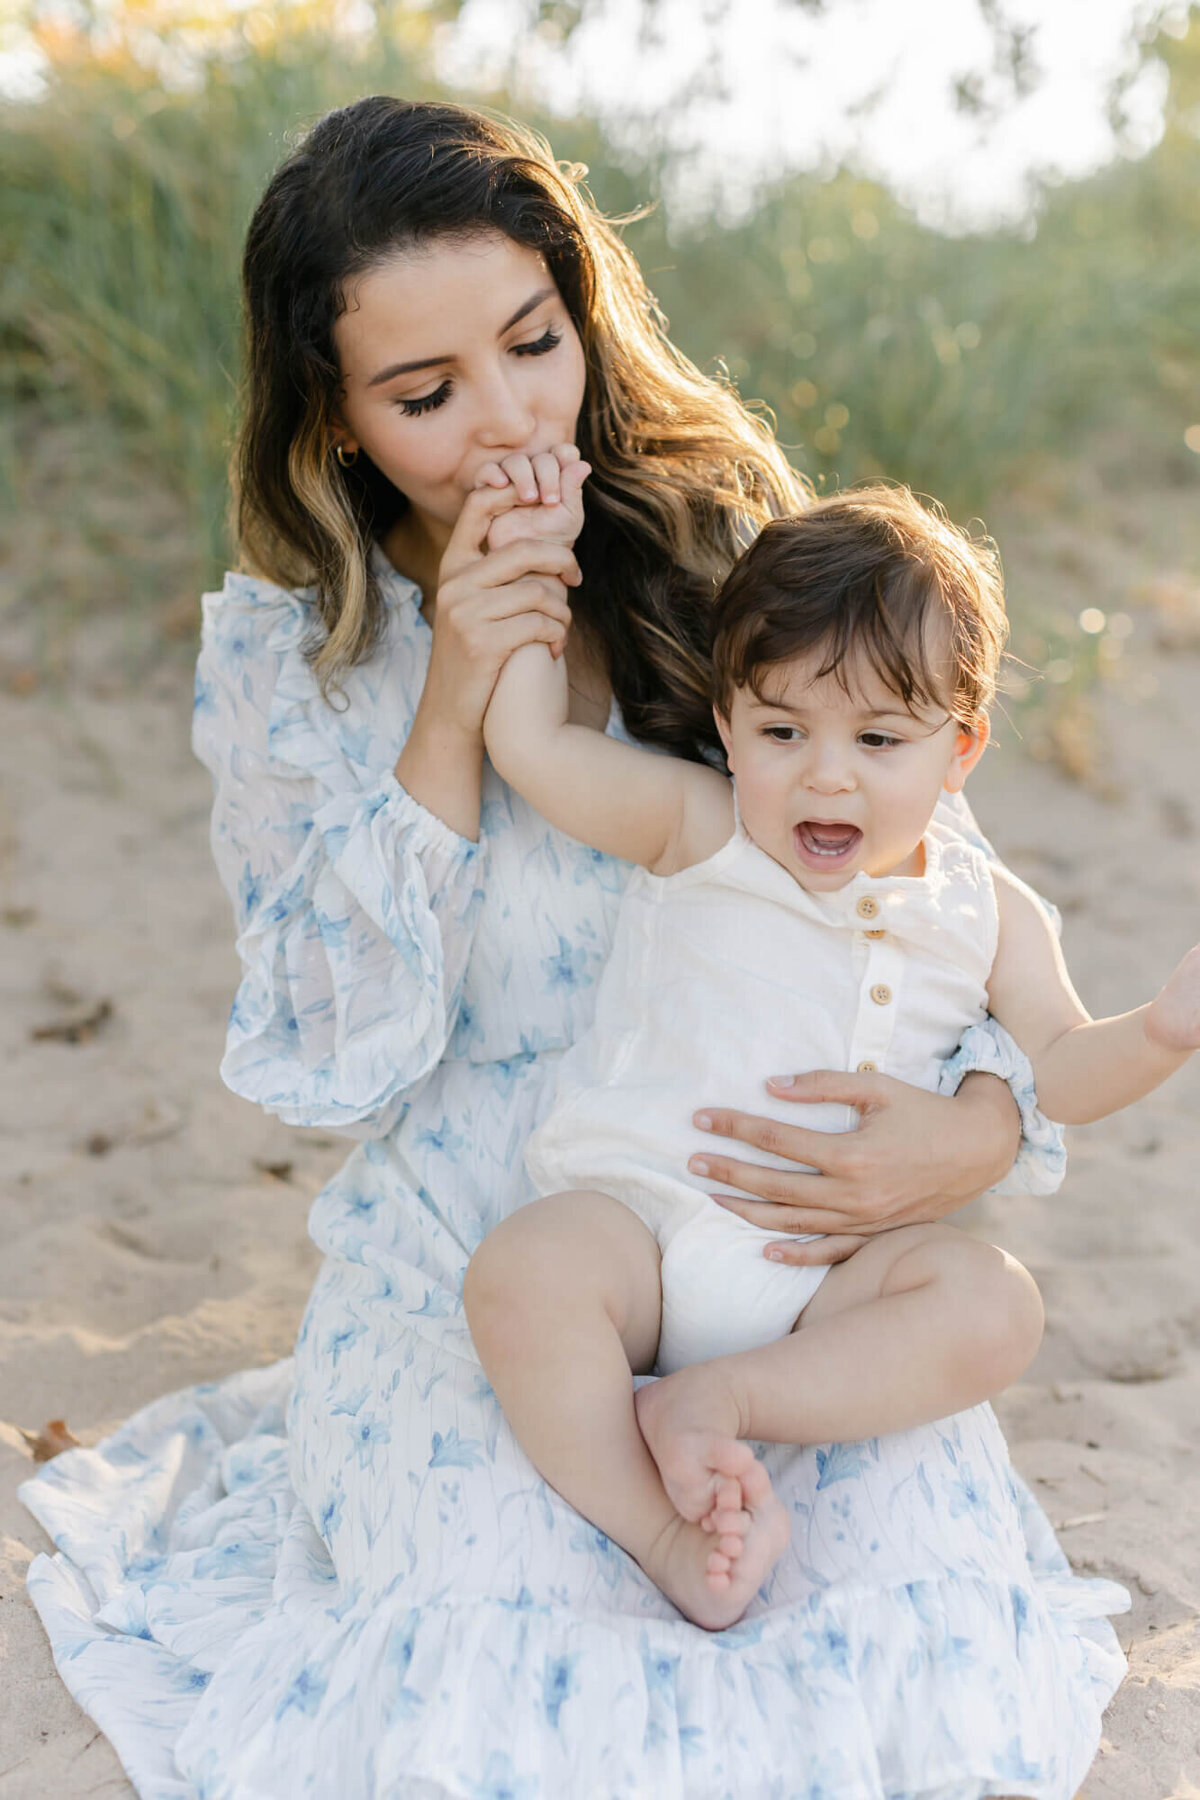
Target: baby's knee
[(1002, 1312), (502, 1268), (535, 1260)]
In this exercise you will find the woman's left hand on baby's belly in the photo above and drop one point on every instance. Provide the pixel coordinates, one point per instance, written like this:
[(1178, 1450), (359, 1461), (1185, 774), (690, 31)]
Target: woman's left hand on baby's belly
[(915, 1157)]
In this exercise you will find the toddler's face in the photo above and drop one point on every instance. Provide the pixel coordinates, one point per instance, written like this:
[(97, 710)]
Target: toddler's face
[(830, 783)]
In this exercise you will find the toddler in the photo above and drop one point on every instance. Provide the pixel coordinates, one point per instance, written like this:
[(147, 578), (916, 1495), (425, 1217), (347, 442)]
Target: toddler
[(815, 913)]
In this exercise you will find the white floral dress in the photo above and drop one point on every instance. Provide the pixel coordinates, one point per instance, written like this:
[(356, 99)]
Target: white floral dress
[(339, 1577)]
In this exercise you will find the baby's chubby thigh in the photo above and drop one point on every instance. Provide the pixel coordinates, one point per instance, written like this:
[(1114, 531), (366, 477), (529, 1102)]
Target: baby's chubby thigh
[(556, 1264), (719, 1293)]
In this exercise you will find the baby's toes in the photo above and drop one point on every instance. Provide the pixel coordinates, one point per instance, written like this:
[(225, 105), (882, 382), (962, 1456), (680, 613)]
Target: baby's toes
[(727, 1499), (718, 1570), (732, 1545), (731, 1457), (730, 1524), (728, 1496), (755, 1484)]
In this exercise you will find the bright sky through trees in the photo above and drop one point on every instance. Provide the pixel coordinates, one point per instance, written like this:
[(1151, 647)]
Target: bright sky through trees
[(872, 80), (924, 94)]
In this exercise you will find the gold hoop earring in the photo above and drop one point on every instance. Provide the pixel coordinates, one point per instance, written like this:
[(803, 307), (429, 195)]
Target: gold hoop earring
[(347, 462)]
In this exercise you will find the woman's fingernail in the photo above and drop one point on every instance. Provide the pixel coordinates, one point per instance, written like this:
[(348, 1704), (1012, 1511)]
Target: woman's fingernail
[(774, 1255), (781, 1080), (698, 1166), (703, 1120)]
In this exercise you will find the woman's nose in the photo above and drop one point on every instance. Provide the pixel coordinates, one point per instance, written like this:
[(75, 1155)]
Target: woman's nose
[(505, 420)]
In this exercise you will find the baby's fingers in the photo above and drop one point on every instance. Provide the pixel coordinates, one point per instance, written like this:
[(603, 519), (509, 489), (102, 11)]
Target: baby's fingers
[(548, 477), (491, 475), (519, 471), (572, 479)]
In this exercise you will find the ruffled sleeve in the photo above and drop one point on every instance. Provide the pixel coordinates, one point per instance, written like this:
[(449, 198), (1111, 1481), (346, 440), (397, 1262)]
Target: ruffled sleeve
[(355, 905), (1042, 1157), (988, 1049)]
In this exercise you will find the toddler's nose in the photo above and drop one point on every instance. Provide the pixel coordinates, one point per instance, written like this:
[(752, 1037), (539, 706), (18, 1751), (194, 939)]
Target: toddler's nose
[(828, 773)]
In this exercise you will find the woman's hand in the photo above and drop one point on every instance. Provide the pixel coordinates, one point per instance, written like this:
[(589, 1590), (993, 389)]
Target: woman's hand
[(502, 583), (491, 600), (915, 1157)]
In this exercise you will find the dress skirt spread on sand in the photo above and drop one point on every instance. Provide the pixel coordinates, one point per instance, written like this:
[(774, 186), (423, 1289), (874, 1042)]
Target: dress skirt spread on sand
[(339, 1577)]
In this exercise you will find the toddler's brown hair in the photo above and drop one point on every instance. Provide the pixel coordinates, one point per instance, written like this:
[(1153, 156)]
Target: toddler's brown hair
[(871, 570)]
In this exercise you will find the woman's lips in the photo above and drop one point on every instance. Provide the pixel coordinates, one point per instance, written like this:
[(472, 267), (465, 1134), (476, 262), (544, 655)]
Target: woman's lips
[(826, 843)]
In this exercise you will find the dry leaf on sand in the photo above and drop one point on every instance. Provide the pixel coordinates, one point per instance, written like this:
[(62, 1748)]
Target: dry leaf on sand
[(50, 1441), (75, 1031)]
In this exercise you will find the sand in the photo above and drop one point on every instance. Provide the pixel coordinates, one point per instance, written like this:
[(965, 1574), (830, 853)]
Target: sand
[(154, 1225)]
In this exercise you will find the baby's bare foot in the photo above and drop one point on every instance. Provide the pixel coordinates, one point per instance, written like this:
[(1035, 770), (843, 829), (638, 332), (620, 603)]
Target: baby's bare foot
[(692, 1436), (713, 1586)]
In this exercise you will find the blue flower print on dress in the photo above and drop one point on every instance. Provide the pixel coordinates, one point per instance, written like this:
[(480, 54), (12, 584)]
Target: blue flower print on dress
[(368, 1434), (452, 1451), (305, 1693), (559, 1683), (568, 967), (839, 1462), (342, 1338), (329, 1517)]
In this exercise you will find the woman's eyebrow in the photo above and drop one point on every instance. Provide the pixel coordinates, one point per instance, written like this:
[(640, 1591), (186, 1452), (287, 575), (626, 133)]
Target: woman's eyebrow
[(433, 362)]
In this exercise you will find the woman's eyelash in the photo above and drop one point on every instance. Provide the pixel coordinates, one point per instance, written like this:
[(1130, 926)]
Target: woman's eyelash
[(539, 346), (412, 409), (425, 402)]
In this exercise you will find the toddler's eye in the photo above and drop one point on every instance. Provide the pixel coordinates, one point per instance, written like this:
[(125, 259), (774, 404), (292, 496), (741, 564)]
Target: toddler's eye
[(424, 403), (539, 346), (782, 734), (879, 740)]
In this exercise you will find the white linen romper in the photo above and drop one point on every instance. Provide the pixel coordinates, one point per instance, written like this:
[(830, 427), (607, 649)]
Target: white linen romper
[(719, 975)]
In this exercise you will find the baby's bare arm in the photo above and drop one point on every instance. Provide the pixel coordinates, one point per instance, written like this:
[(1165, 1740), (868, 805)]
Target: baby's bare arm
[(1084, 1068), (658, 811)]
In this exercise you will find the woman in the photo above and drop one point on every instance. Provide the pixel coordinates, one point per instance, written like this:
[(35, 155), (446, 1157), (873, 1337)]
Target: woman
[(430, 298)]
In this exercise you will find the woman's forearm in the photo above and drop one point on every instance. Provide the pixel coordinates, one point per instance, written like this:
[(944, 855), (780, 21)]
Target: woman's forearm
[(986, 1107), (442, 768)]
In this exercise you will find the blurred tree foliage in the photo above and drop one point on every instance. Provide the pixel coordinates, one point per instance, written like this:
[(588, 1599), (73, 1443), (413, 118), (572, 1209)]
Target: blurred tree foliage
[(880, 344)]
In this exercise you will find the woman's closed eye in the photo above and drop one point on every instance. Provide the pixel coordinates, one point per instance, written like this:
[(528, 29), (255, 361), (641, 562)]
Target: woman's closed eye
[(424, 403), (412, 409), (539, 346)]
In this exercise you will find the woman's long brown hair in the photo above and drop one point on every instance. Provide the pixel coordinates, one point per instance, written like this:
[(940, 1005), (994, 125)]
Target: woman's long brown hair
[(683, 474)]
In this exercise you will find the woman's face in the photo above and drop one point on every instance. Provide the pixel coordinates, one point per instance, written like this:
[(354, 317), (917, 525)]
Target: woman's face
[(453, 355)]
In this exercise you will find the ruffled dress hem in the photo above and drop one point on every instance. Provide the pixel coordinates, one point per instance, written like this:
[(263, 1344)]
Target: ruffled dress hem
[(188, 1579)]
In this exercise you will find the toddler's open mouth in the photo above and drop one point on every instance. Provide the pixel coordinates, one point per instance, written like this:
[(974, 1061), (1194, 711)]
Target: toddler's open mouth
[(826, 843)]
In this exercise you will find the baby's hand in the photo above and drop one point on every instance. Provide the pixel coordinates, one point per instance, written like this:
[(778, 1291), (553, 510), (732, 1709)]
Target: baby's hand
[(547, 497), (1173, 1019)]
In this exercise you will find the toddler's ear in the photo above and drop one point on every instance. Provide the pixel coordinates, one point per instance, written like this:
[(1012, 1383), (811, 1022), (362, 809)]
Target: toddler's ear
[(723, 729), (969, 746)]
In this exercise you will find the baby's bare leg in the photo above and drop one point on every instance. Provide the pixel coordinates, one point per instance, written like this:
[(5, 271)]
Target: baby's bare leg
[(563, 1301), (920, 1323)]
